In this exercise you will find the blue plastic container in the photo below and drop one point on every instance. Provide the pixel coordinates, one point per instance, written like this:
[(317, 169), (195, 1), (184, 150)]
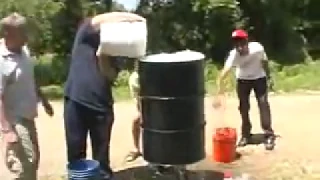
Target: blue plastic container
[(84, 170)]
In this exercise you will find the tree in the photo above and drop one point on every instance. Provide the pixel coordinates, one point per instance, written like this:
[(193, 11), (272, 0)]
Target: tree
[(199, 25)]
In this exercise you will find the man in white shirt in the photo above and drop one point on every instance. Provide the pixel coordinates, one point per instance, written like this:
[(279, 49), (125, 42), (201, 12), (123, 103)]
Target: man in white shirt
[(18, 101), (252, 73)]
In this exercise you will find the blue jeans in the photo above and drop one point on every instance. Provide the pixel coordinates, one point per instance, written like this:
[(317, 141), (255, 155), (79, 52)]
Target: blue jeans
[(80, 121)]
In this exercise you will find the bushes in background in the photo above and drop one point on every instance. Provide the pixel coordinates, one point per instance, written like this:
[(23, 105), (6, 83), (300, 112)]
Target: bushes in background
[(51, 72), (51, 69)]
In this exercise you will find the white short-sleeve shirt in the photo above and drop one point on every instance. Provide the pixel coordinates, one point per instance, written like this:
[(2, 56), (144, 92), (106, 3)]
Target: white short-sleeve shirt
[(248, 67), (17, 84)]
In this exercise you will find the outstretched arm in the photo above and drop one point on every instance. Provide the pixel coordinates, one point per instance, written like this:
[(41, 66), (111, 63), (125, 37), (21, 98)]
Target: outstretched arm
[(225, 71), (44, 101), (223, 74), (6, 129)]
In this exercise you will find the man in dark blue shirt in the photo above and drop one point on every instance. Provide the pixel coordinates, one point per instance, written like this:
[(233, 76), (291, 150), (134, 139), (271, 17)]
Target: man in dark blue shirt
[(88, 98)]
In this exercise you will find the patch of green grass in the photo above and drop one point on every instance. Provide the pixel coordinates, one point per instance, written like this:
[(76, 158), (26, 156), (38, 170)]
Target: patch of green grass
[(301, 76), (56, 92), (121, 93)]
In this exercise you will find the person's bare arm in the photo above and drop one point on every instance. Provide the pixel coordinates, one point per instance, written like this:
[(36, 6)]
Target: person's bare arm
[(225, 71), (105, 66), (39, 92), (5, 124), (223, 74), (6, 127), (266, 67), (44, 100), (114, 17), (265, 64), (6, 73), (40, 95)]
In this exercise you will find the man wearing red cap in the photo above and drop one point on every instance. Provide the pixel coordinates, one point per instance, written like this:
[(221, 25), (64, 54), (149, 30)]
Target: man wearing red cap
[(252, 73)]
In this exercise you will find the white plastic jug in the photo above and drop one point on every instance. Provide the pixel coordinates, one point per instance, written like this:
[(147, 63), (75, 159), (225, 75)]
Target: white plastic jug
[(127, 39)]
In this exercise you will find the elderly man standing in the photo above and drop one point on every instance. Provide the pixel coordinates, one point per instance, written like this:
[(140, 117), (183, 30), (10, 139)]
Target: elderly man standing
[(18, 102), (88, 97)]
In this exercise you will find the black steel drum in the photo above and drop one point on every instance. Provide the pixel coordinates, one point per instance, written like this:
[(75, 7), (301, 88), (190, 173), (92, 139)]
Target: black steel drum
[(172, 103)]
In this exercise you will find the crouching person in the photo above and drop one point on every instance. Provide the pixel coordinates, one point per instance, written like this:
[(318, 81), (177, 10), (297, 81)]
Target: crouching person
[(18, 101)]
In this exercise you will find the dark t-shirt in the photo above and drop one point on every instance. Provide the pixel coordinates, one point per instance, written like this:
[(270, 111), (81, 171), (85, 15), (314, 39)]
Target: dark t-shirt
[(85, 84)]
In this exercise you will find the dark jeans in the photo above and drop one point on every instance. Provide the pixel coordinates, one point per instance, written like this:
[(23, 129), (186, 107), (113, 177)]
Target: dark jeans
[(260, 89), (81, 120)]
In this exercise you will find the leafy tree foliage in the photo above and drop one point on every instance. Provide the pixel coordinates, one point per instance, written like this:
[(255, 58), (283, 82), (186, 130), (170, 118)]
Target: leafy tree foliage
[(289, 29)]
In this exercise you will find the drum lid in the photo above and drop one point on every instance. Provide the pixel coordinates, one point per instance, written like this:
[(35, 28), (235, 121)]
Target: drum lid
[(181, 56)]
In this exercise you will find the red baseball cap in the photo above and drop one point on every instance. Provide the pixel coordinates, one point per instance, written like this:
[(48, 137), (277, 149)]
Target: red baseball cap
[(240, 34)]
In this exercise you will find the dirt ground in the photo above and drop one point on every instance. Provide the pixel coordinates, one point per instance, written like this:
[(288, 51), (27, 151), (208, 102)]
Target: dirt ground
[(295, 119)]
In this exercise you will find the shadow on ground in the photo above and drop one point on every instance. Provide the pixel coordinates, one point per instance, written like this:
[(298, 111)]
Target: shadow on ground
[(257, 139), (238, 156), (145, 173)]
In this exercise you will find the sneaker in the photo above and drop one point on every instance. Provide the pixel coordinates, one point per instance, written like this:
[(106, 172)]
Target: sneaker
[(106, 175), (270, 142), (243, 141), (132, 156)]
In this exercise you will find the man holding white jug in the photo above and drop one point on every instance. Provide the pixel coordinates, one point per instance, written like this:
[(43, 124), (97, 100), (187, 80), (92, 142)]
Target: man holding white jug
[(88, 104)]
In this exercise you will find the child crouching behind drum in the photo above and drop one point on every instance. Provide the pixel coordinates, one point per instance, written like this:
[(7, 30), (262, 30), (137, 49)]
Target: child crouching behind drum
[(136, 130)]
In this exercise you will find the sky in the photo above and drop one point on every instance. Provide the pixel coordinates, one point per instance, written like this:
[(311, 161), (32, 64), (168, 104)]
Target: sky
[(128, 4)]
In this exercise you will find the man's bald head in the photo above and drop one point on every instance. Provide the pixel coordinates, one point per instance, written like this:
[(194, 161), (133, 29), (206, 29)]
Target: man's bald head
[(14, 20), (14, 29)]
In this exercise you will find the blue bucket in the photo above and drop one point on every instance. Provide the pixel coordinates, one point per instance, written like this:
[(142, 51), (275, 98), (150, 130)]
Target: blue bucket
[(84, 170)]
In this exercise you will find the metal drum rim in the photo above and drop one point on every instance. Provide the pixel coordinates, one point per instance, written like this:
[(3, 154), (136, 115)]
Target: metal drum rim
[(198, 57)]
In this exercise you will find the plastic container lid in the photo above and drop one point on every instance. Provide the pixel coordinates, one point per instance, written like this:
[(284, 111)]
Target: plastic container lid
[(225, 134)]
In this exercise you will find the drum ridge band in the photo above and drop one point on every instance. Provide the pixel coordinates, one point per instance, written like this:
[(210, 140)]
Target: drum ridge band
[(202, 95), (200, 125)]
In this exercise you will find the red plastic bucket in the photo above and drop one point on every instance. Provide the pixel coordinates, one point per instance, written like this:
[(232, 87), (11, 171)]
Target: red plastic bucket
[(224, 145)]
